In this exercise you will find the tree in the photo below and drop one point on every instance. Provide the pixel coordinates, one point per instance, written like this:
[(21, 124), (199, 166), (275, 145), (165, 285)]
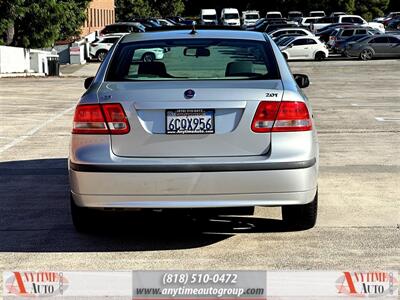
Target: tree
[(169, 7), (9, 11), (73, 17), (128, 9), (369, 9), (38, 24)]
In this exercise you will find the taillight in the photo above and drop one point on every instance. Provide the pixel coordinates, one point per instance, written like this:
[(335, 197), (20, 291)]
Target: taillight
[(265, 116), (100, 119), (281, 117), (115, 118)]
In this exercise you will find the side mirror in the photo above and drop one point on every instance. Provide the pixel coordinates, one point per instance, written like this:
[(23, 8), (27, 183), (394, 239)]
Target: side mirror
[(88, 82), (290, 46), (302, 80)]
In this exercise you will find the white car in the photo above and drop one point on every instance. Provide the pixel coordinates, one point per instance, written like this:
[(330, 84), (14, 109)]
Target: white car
[(290, 31), (164, 22), (230, 17), (304, 47), (317, 13), (100, 47), (250, 17), (307, 21), (273, 15), (208, 17), (353, 19)]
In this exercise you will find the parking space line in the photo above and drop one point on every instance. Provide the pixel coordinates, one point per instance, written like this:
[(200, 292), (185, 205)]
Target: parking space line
[(387, 119), (374, 105), (34, 130)]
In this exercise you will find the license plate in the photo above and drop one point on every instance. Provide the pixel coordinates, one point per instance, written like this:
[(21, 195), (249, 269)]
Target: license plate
[(189, 121)]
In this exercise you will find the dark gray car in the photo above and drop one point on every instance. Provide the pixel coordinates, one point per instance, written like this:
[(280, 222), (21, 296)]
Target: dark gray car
[(375, 46)]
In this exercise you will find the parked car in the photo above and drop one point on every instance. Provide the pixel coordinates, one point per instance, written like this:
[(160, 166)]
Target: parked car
[(305, 47), (122, 28), (375, 47), (337, 13), (250, 17), (394, 24), (307, 21), (317, 13), (288, 31), (230, 17), (285, 39), (390, 17), (326, 32), (341, 45), (275, 26), (353, 19), (100, 47), (246, 138), (208, 17), (295, 16), (343, 33), (273, 15), (176, 19), (148, 23), (165, 22)]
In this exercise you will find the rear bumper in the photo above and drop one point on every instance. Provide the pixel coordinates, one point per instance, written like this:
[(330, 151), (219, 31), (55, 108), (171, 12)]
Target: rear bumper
[(194, 189)]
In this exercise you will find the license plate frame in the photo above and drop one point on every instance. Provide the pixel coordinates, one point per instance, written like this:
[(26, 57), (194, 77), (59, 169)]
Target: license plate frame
[(190, 113)]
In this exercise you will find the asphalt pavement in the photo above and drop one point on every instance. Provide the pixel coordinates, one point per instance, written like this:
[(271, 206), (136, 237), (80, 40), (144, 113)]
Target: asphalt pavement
[(357, 110)]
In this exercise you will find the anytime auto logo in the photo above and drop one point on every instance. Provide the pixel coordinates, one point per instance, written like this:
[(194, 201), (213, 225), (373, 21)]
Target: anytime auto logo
[(367, 284), (36, 284)]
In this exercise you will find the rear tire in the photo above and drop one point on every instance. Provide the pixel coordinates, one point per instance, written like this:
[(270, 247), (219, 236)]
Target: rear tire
[(301, 217), (148, 57), (285, 56), (101, 55), (320, 56), (366, 54), (82, 217)]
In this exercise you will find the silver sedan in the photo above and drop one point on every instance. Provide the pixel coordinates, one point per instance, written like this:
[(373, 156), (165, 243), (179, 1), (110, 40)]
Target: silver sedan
[(375, 46), (219, 122)]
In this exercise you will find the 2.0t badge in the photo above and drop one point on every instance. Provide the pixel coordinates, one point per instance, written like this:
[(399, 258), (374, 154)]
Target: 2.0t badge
[(189, 94)]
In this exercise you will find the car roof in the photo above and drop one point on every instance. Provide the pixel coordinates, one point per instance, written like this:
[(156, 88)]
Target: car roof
[(290, 28), (208, 10), (200, 33), (124, 23), (299, 37), (110, 36)]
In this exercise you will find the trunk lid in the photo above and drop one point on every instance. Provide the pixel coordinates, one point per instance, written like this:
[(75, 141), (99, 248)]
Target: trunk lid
[(234, 103)]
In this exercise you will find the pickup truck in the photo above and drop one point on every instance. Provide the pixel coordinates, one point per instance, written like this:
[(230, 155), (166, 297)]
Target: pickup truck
[(354, 19)]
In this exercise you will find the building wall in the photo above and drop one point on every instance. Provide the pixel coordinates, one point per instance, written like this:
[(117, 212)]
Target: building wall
[(99, 14)]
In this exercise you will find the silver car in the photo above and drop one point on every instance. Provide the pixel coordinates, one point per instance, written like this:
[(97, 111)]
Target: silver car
[(219, 122), (369, 47)]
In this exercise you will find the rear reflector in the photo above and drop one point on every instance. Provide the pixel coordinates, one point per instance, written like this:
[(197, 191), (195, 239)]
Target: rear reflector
[(281, 117), (100, 119)]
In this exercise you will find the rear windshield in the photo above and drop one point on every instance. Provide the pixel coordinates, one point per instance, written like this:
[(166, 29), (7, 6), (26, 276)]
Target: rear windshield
[(231, 16), (209, 17), (251, 17), (186, 59), (274, 16)]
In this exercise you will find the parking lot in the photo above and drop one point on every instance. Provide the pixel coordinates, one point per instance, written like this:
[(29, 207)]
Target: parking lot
[(357, 109)]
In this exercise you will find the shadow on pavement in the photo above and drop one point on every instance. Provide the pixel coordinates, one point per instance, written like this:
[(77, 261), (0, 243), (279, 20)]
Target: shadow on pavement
[(35, 217)]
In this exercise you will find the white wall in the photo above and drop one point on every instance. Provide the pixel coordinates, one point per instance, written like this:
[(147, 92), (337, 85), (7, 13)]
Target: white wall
[(14, 60)]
